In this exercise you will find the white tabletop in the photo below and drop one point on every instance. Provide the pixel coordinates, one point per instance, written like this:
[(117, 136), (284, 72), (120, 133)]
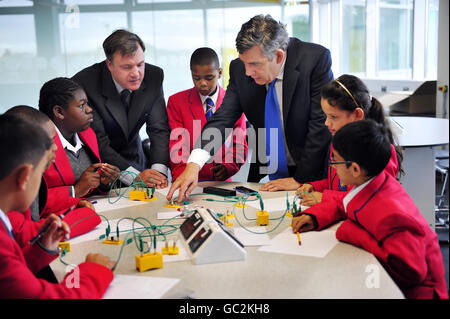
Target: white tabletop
[(415, 131), (262, 275)]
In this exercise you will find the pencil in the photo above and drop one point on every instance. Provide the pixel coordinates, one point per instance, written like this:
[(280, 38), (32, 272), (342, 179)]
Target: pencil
[(299, 240), (39, 235)]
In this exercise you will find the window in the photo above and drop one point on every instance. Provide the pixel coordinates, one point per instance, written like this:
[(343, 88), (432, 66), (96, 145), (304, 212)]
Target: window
[(396, 38), (81, 43), (354, 38), (19, 64), (170, 38), (373, 39)]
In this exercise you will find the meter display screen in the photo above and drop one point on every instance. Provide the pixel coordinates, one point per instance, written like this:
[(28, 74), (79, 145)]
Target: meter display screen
[(190, 225), (199, 238)]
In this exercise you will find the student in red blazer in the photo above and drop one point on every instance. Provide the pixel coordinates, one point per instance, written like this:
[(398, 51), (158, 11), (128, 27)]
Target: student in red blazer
[(188, 112), (346, 100), (65, 103), (21, 169), (56, 200), (379, 216)]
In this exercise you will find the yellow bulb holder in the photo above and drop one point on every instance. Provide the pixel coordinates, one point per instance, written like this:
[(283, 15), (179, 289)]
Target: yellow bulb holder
[(113, 241), (238, 204), (262, 218), (170, 251), (64, 245), (149, 261), (140, 195), (172, 206), (288, 214)]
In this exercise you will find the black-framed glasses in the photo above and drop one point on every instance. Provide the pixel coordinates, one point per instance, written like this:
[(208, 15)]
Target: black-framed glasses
[(333, 162)]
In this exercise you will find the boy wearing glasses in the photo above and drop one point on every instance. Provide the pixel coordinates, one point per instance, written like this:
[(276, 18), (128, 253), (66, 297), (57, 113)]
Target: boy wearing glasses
[(379, 216)]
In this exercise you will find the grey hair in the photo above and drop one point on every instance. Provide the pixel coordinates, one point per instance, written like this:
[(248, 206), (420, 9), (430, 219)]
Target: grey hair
[(265, 31)]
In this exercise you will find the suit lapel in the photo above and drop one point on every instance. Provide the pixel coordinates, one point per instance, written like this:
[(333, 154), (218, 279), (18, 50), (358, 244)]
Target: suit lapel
[(113, 102), (62, 164), (364, 196), (89, 139), (220, 96), (290, 78)]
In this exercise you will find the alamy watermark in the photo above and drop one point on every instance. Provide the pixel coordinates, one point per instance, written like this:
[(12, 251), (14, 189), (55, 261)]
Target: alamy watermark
[(373, 279), (72, 280)]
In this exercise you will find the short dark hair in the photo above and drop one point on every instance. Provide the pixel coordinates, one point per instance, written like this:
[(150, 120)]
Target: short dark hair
[(366, 143), (265, 31), (21, 143), (29, 114), (204, 56), (58, 91), (123, 41)]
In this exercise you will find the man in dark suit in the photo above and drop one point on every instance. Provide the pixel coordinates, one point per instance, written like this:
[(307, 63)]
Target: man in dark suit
[(125, 92), (294, 72)]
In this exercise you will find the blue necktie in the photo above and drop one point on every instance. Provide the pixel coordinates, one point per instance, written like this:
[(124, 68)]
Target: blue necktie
[(272, 119), (209, 108)]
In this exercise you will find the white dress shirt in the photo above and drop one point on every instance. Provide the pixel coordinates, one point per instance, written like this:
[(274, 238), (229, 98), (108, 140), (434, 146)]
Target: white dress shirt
[(6, 222), (351, 194), (212, 97), (200, 156)]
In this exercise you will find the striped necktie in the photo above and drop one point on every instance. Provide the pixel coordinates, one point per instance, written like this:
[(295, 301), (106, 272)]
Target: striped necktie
[(209, 108)]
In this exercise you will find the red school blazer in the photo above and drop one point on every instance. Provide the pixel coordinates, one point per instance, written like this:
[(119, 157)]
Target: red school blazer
[(58, 177), (18, 266), (60, 173), (186, 120), (25, 228), (383, 219), (330, 185)]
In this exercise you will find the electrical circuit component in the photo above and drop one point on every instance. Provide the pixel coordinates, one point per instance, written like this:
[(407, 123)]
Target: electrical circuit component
[(113, 241), (262, 218), (141, 195), (148, 261), (219, 191), (172, 250), (229, 214), (208, 241), (64, 245), (240, 205)]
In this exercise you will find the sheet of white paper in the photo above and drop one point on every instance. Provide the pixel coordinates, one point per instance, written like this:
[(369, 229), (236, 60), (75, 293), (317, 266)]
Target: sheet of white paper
[(103, 204), (139, 287), (94, 234), (314, 244), (274, 204), (169, 215), (250, 239)]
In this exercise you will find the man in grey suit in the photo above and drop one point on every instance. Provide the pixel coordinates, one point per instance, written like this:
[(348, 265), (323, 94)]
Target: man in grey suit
[(126, 93), (293, 72)]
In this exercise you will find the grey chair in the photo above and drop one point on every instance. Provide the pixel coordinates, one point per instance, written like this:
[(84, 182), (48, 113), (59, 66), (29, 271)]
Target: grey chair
[(442, 209)]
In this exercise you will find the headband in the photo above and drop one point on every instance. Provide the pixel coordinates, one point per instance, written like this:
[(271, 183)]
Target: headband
[(346, 90)]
